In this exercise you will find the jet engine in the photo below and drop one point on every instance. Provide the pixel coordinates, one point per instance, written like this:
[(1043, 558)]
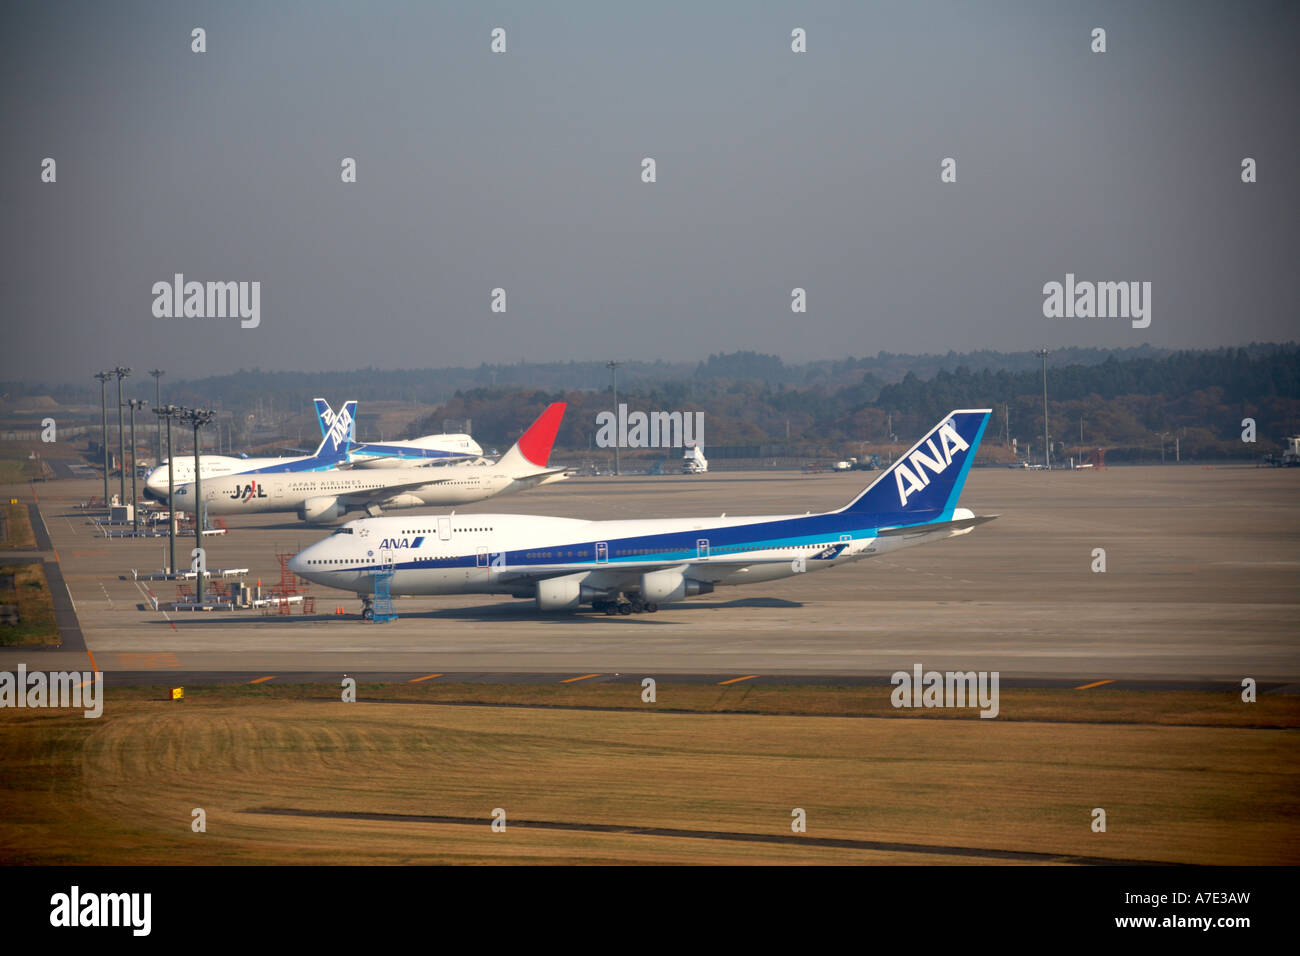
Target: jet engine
[(322, 509), (564, 594), (671, 585)]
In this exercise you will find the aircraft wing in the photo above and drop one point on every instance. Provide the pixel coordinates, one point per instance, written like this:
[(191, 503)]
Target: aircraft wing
[(376, 495), (609, 575), (545, 473)]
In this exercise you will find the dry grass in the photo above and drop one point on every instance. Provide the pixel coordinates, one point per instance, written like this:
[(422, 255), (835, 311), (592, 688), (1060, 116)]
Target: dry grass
[(1098, 705), (35, 607), (18, 527), (121, 789)]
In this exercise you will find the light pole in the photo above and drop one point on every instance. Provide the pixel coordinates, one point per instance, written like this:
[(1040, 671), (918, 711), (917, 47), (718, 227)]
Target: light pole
[(157, 374), (198, 417), (121, 373), (134, 403), (103, 424), (1047, 449), (613, 375), (167, 412)]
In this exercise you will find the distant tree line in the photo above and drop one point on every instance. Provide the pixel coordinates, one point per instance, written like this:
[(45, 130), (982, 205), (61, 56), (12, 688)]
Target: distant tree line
[(1122, 400), (1125, 406)]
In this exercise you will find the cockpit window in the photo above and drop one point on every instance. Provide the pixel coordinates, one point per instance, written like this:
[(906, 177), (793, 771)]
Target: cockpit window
[(342, 531)]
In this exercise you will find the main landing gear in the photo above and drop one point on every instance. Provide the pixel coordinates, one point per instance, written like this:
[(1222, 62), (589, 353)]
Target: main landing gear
[(367, 608), (622, 605)]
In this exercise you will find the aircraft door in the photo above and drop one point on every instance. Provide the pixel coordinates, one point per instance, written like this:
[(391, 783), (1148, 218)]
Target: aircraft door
[(702, 548), (444, 529), (602, 552)]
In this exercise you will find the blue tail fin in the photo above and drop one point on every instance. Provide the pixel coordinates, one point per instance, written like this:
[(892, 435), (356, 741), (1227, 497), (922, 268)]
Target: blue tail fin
[(925, 483), (324, 415), (340, 430)]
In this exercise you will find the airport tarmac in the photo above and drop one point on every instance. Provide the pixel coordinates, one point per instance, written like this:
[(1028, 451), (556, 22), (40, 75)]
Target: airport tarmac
[(1202, 567)]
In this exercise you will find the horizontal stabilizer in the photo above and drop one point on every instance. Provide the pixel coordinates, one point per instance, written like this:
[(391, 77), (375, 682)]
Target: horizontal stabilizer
[(959, 525)]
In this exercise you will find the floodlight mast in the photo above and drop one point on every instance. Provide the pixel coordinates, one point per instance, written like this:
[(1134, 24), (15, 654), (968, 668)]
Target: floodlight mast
[(1047, 448), (103, 378), (157, 374), (168, 412), (133, 404), (613, 374), (198, 417), (121, 373)]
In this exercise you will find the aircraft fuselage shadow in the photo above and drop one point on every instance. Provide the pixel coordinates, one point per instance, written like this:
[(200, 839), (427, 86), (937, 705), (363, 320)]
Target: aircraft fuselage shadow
[(522, 611)]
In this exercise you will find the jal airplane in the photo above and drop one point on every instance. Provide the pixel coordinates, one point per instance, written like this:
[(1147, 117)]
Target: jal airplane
[(336, 441), (320, 497), (627, 566)]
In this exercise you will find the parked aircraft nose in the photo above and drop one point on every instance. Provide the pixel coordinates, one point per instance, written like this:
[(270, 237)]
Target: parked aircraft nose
[(296, 564)]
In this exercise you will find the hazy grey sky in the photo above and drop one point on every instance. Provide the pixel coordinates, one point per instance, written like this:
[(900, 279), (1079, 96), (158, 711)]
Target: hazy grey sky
[(523, 171)]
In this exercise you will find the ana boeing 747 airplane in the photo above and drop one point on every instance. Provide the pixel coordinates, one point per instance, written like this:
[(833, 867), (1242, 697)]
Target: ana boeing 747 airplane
[(627, 566), (427, 450)]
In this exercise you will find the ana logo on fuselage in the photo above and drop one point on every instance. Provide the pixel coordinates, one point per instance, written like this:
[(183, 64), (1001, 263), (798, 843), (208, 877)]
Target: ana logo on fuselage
[(390, 544), (936, 462), (248, 491)]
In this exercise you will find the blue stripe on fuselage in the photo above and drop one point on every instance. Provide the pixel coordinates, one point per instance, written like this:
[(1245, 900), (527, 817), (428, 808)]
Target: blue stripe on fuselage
[(668, 547)]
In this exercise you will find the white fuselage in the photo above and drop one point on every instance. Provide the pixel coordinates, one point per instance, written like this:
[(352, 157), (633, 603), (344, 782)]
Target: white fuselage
[(509, 554), (211, 466), (328, 495)]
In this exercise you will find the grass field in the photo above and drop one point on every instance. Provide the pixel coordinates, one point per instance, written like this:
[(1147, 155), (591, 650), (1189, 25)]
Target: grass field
[(31, 592), (17, 527), (13, 471), (1184, 708), (15, 466), (122, 788)]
